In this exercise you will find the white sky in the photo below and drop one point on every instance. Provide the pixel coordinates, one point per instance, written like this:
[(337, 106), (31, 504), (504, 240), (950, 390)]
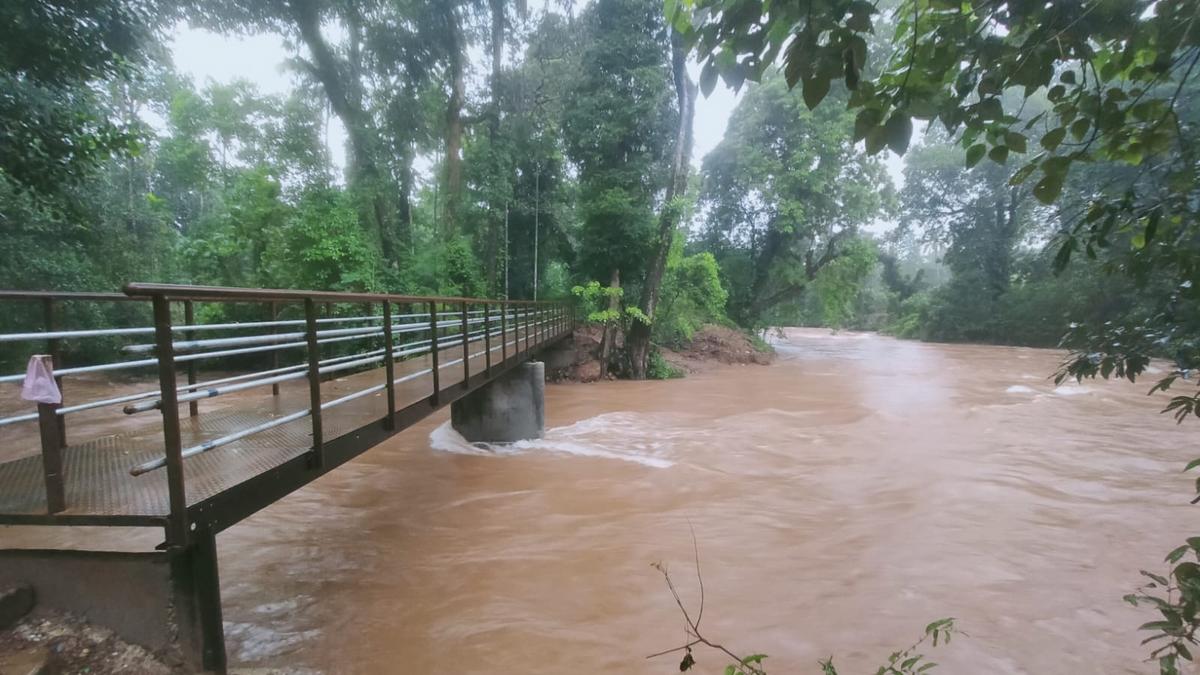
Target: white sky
[(205, 56)]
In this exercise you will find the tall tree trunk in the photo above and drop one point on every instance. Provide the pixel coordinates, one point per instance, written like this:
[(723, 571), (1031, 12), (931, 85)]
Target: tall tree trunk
[(492, 244), (404, 232), (454, 121), (609, 336), (638, 341), (345, 99)]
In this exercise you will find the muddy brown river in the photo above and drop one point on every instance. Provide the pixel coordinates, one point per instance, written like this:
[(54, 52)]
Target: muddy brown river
[(841, 499)]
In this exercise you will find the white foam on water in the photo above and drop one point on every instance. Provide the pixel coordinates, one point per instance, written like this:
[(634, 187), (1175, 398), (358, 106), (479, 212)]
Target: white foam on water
[(621, 436), (1019, 389), (1071, 389)]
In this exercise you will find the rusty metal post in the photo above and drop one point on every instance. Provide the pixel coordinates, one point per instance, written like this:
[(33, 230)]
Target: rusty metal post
[(433, 351), (329, 315), (205, 580), (389, 364), (53, 349), (274, 352), (466, 345), (314, 380), (52, 447), (528, 326), (189, 318), (503, 332), (487, 338), (177, 526)]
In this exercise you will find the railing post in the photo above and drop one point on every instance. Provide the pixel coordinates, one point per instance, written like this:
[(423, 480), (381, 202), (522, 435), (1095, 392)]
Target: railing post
[(528, 326), (274, 352), (503, 332), (314, 380), (466, 345), (433, 351), (189, 318), (52, 447), (389, 364), (53, 349), (487, 338), (177, 526)]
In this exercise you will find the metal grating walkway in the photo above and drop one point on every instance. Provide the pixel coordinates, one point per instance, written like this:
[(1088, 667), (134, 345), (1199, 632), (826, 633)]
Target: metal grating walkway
[(97, 478)]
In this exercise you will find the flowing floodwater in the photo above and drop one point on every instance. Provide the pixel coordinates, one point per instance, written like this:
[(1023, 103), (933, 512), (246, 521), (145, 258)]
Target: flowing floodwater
[(841, 499)]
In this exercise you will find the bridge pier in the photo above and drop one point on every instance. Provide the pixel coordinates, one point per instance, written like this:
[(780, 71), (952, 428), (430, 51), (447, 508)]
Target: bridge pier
[(511, 408), (166, 601)]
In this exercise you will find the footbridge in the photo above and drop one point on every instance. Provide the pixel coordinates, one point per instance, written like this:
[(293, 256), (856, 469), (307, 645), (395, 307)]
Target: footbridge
[(207, 404)]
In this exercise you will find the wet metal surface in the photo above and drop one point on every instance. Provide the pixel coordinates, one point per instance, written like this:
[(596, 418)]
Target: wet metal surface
[(98, 481)]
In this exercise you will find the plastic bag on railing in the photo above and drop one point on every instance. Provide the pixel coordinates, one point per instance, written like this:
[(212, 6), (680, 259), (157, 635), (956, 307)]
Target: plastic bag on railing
[(39, 383)]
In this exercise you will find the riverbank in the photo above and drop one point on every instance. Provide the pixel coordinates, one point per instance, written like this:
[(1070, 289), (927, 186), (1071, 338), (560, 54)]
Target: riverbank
[(46, 642), (711, 346)]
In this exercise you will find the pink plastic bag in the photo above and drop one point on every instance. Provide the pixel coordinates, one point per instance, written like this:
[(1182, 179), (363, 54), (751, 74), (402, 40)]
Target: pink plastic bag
[(39, 383)]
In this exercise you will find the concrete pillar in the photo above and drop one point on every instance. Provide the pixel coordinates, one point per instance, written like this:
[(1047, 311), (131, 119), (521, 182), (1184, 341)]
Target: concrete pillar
[(509, 409), (165, 601)]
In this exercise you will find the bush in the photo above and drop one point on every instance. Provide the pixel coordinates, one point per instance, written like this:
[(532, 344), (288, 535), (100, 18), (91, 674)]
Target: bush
[(692, 296), (657, 368), (912, 317)]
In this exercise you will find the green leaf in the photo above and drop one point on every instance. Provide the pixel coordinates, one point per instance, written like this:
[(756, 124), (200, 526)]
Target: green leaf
[(991, 109), (1184, 572), (796, 62), (999, 154), (975, 154), (1079, 128), (1064, 254), (1162, 581), (1054, 138), (815, 89), (899, 129), (867, 119), (1176, 554), (876, 140), (1049, 188), (1015, 141), (1023, 173)]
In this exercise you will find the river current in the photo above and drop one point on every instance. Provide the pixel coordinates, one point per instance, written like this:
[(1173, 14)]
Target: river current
[(839, 499)]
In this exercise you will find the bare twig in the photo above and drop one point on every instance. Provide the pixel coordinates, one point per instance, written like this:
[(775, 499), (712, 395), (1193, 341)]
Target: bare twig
[(692, 627)]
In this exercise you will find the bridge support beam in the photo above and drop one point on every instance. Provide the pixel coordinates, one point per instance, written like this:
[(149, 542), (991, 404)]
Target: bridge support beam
[(510, 409), (166, 601)]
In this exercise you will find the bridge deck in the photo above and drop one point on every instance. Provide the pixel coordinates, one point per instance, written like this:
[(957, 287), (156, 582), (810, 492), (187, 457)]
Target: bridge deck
[(97, 478)]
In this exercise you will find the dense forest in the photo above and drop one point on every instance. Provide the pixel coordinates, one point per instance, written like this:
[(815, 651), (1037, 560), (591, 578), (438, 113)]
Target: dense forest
[(497, 149)]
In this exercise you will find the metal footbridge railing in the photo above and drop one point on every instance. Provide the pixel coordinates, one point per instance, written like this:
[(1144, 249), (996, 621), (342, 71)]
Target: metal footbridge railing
[(293, 383)]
